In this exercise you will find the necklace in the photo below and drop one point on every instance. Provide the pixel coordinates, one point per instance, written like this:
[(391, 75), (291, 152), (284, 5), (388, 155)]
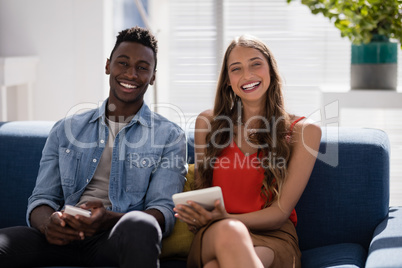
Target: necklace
[(248, 131)]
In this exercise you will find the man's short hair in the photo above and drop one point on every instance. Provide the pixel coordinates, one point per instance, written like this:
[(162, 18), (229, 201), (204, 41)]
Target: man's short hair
[(138, 35)]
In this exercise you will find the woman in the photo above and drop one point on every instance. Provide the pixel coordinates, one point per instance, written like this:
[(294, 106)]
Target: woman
[(260, 156)]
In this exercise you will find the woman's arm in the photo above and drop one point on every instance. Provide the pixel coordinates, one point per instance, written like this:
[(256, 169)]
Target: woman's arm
[(202, 128), (306, 139), (199, 217)]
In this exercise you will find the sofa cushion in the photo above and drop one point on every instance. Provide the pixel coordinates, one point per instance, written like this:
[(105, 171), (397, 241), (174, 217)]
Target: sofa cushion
[(177, 245), (21, 147), (386, 247), (346, 196), (339, 255)]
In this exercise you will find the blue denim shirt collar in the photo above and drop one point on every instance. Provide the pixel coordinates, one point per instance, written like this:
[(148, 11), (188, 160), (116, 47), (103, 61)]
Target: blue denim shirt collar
[(143, 116)]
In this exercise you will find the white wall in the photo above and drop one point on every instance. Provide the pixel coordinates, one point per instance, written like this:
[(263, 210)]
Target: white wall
[(72, 39), (158, 14)]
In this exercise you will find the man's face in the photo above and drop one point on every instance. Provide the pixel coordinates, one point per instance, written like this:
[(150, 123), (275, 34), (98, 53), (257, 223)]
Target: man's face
[(131, 70)]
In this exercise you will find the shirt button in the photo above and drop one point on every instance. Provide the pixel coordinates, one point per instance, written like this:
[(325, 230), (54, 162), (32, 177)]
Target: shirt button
[(68, 151), (102, 141), (144, 162), (94, 160)]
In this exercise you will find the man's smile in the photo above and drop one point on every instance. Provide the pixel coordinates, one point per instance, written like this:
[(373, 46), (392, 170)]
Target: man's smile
[(126, 85)]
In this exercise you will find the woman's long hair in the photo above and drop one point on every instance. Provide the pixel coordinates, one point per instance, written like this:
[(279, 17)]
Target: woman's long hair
[(270, 143)]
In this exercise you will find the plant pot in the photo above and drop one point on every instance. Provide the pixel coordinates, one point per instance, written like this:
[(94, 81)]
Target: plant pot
[(374, 65)]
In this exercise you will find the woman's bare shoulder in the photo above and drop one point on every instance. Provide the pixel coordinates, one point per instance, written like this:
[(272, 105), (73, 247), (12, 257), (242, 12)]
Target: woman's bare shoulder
[(207, 113), (306, 128), (204, 118)]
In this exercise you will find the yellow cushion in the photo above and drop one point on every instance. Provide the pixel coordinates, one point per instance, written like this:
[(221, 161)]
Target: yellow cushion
[(177, 245)]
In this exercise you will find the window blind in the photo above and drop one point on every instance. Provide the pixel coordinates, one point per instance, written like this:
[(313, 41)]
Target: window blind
[(309, 49)]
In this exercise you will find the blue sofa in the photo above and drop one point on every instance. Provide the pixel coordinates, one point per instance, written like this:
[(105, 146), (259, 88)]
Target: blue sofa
[(344, 218)]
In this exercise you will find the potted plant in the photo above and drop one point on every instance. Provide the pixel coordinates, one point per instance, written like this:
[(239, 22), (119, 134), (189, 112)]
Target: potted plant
[(374, 28)]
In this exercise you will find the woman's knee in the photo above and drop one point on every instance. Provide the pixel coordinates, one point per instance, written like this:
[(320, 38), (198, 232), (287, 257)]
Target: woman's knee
[(231, 226), (230, 231), (228, 238)]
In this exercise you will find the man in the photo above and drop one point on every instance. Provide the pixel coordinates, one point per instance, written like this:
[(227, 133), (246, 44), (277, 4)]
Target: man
[(121, 161)]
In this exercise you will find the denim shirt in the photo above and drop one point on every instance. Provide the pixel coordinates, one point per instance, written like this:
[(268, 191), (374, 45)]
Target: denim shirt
[(148, 163)]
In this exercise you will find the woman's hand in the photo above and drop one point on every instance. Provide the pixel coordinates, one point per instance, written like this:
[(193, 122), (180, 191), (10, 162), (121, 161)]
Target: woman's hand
[(196, 216)]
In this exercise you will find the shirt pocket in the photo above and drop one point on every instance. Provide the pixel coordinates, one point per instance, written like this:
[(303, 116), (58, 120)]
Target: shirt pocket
[(139, 169), (69, 162)]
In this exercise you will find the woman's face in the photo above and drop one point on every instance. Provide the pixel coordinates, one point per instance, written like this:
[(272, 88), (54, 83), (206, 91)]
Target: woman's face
[(248, 72)]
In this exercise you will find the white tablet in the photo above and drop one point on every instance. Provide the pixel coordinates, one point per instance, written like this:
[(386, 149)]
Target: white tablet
[(77, 211), (205, 197)]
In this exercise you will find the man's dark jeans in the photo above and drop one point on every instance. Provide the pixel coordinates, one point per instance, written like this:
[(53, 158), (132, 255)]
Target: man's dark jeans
[(134, 241)]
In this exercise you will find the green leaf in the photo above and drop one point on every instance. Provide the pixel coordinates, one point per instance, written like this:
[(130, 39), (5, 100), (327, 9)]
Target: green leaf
[(360, 19)]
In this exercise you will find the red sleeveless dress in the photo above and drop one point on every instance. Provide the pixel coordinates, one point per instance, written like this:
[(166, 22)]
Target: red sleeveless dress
[(240, 176)]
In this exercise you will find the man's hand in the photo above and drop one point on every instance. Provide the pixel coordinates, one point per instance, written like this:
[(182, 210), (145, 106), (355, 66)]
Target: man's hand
[(100, 220), (50, 223), (58, 232)]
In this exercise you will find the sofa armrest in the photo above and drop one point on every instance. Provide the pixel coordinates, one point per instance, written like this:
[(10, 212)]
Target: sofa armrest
[(348, 190), (21, 145), (386, 246)]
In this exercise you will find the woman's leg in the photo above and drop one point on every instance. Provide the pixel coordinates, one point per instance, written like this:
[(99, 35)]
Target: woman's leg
[(228, 244), (266, 255), (212, 264)]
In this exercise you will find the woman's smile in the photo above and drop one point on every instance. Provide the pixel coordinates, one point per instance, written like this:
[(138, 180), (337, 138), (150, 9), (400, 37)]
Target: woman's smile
[(251, 86)]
